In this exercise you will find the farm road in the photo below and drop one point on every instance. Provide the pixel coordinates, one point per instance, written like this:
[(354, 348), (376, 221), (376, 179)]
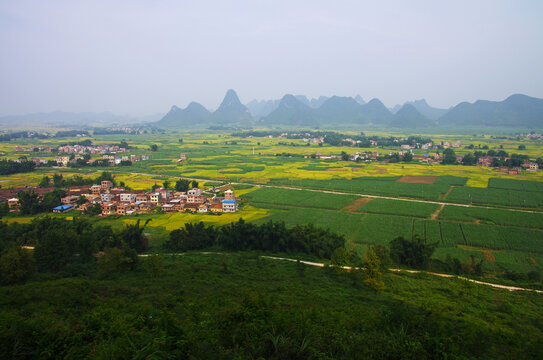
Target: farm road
[(347, 193)]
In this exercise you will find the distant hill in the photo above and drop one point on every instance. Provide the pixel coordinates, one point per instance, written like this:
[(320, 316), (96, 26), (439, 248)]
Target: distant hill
[(232, 111), (297, 110), (359, 100), (375, 112), (422, 107), (517, 110), (409, 117), (431, 113), (341, 110), (292, 112), (193, 114), (259, 109)]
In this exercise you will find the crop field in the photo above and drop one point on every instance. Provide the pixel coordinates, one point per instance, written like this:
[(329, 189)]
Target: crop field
[(492, 196), (492, 216), (274, 196), (399, 207)]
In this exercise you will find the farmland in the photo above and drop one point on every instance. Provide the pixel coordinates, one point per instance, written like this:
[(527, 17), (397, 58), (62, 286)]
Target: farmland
[(219, 158)]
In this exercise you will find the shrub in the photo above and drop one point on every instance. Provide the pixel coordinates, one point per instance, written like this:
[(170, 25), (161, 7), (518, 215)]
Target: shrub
[(16, 265)]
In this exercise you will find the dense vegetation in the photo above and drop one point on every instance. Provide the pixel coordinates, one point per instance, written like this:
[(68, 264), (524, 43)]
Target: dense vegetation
[(274, 237), (13, 167)]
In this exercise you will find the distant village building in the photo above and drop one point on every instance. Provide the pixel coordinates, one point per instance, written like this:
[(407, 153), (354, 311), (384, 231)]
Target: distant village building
[(229, 206)]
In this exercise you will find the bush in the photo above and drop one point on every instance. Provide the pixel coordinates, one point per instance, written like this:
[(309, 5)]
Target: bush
[(16, 265), (116, 260), (415, 253), (153, 264)]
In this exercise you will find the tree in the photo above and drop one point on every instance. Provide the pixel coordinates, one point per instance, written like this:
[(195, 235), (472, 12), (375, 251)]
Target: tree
[(52, 199), (180, 140), (344, 156), (415, 253), (45, 182), (133, 237), (58, 180), (166, 184), (182, 185), (522, 147), (153, 264), (29, 203), (116, 260), (449, 156), (194, 184), (54, 249), (81, 200), (154, 147), (372, 272), (16, 265), (468, 159), (340, 258), (407, 157), (154, 187)]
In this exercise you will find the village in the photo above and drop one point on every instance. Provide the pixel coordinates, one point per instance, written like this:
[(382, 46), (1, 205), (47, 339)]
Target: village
[(116, 200)]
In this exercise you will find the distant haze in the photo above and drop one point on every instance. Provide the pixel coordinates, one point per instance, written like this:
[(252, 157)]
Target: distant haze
[(141, 57)]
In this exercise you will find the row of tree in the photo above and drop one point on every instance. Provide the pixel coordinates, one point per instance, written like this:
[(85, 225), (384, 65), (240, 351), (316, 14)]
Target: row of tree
[(59, 243), (270, 236)]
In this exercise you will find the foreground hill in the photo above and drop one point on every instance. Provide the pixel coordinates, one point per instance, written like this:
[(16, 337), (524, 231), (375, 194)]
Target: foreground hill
[(224, 306), (517, 110)]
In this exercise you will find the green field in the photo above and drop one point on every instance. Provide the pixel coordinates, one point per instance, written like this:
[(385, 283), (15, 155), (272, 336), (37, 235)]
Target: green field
[(399, 207)]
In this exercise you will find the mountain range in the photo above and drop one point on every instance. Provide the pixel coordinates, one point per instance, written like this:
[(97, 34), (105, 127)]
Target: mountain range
[(517, 110), (299, 111)]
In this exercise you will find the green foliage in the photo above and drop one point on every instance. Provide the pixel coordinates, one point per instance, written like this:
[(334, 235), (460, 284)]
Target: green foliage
[(270, 236), (182, 185), (153, 265), (45, 182), (132, 235), (28, 202), (372, 272), (16, 265), (116, 260), (153, 147), (415, 253), (449, 156), (166, 184), (54, 249)]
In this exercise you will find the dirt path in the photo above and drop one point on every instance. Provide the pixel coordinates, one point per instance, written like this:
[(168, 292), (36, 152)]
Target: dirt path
[(355, 205), (436, 214), (316, 264), (497, 286)]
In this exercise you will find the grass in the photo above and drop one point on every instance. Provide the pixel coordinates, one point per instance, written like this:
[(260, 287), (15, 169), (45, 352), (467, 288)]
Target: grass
[(275, 196)]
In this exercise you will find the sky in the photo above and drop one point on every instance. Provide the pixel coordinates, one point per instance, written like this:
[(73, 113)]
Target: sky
[(141, 57)]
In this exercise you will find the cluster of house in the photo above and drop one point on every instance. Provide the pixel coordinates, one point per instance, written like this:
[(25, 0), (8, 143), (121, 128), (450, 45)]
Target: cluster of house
[(119, 201), (91, 149), (486, 161), (112, 160)]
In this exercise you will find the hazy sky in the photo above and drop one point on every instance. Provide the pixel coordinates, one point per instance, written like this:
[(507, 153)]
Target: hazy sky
[(140, 57)]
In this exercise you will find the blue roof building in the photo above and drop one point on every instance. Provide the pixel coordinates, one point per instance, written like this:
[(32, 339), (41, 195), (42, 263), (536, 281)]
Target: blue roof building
[(63, 208)]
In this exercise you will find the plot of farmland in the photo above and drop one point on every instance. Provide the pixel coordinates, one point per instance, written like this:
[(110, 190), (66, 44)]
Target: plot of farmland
[(399, 207), (514, 198), (524, 185), (304, 198), (496, 216), (387, 186)]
